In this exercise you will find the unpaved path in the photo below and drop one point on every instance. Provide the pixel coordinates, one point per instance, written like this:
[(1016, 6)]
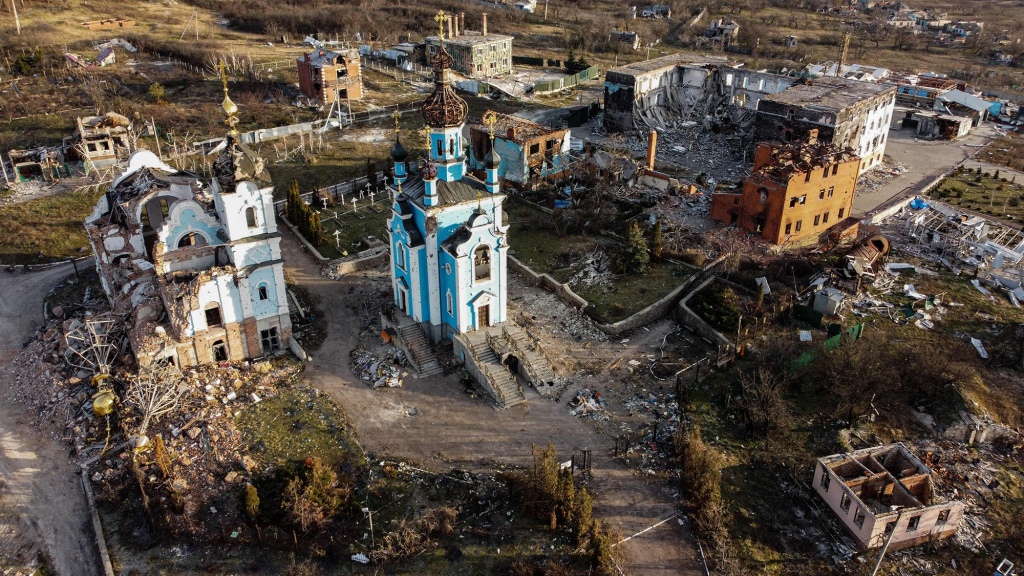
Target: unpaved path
[(44, 505), (452, 429)]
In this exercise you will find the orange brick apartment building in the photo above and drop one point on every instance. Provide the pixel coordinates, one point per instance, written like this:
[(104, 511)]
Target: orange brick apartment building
[(796, 191), (325, 75)]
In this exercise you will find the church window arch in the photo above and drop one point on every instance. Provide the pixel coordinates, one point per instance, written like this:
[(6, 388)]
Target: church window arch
[(191, 239), (262, 291), (440, 147), (449, 302), (482, 263), (400, 256), (250, 217)]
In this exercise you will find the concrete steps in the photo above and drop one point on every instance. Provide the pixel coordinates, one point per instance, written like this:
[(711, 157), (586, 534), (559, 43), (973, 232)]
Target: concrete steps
[(421, 351), (509, 393), (535, 360)]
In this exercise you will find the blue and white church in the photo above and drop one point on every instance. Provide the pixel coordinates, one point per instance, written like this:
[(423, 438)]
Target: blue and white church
[(448, 233)]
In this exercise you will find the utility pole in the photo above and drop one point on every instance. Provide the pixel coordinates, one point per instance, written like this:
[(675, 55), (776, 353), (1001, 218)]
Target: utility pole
[(886, 546), (156, 138), (17, 22)]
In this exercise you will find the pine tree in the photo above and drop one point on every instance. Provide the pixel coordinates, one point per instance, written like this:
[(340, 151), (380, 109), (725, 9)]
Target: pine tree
[(317, 236), (657, 242), (637, 258)]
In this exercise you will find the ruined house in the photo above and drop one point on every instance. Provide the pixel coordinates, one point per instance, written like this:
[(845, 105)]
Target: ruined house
[(630, 39), (920, 90), (653, 93), (101, 141), (530, 153), (935, 126), (721, 32), (846, 112), (327, 76), (475, 54), (795, 193), (965, 104), (194, 266), (46, 163), (886, 493)]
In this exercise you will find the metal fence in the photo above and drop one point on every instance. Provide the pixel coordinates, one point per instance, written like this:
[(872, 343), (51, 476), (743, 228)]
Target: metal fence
[(336, 191), (566, 81)]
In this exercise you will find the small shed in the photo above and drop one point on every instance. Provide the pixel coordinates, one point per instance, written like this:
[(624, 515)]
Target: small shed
[(827, 300)]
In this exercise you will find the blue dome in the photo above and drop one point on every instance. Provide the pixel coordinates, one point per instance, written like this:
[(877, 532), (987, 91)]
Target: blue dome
[(398, 153)]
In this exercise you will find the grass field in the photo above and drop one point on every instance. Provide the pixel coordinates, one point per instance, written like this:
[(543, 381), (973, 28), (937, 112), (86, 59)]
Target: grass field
[(537, 246), (985, 192), (46, 229)]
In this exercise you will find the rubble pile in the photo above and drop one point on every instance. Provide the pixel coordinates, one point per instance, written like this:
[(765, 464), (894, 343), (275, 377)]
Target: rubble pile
[(379, 370), (652, 442), (588, 404), (969, 474), (594, 269), (581, 327), (691, 146), (880, 176)]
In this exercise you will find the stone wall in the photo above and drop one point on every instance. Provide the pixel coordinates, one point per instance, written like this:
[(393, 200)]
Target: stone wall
[(691, 320), (547, 282), (359, 261)]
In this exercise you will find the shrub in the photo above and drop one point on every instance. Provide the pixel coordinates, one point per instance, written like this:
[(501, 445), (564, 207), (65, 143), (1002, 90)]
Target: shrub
[(313, 499), (157, 93), (252, 502), (636, 258)]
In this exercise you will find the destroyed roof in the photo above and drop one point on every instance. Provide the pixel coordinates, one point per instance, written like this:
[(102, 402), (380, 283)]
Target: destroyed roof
[(969, 100), (323, 57), (670, 61), (470, 38), (523, 129), (108, 123), (449, 193), (236, 163), (798, 158), (829, 93)]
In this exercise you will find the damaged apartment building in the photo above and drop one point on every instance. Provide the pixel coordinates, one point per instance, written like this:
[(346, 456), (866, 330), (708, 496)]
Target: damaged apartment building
[(659, 92), (886, 494), (654, 93), (475, 54), (848, 113), (530, 153), (195, 267), (796, 193)]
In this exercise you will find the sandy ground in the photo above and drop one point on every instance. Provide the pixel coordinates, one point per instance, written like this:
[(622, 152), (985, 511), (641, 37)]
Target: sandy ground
[(44, 505), (452, 429)]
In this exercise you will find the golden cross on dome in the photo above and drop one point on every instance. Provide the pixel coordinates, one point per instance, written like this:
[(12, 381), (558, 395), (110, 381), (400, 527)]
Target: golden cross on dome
[(397, 115), (223, 67), (490, 119), (479, 199), (440, 18), (399, 187)]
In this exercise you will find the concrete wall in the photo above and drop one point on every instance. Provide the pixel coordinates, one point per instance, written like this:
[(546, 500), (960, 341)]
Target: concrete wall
[(359, 261), (563, 291)]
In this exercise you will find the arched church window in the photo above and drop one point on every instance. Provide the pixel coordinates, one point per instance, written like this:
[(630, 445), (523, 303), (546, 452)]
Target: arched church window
[(482, 263), (448, 303), (250, 217), (262, 291), (191, 239), (451, 146), (400, 256), (440, 147)]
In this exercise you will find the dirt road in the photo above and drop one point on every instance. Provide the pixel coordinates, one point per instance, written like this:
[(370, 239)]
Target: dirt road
[(44, 506), (451, 429)]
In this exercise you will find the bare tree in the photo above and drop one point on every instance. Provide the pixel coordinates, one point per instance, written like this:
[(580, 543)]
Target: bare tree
[(154, 393)]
